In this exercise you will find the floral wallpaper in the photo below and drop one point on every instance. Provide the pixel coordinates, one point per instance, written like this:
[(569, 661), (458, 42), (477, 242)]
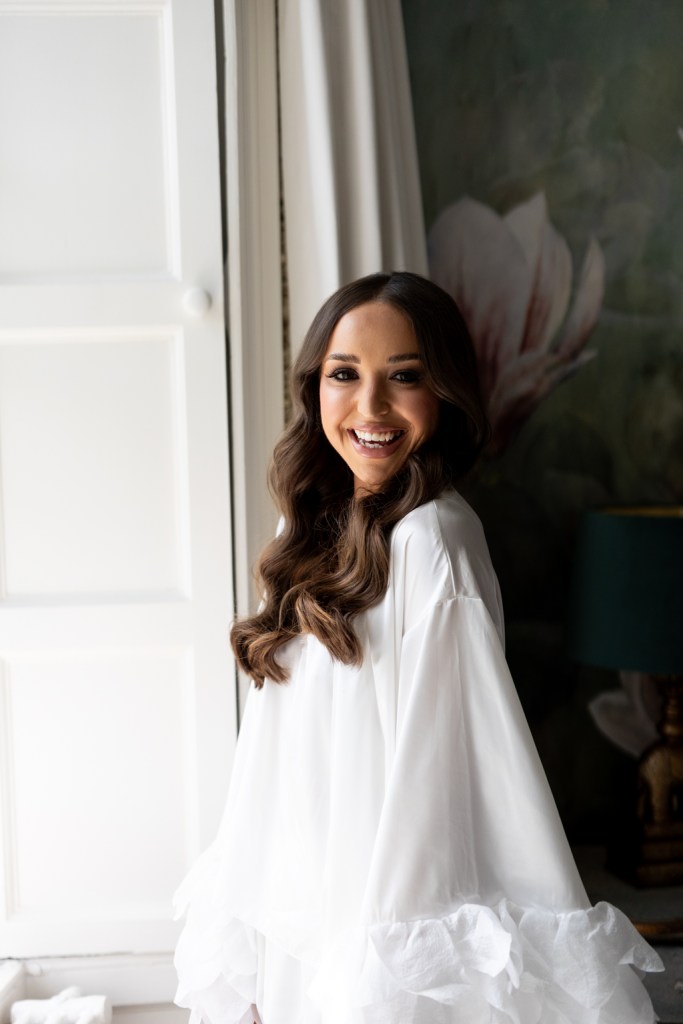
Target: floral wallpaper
[(550, 139)]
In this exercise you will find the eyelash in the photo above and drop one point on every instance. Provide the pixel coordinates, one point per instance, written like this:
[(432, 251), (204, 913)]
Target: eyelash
[(401, 376)]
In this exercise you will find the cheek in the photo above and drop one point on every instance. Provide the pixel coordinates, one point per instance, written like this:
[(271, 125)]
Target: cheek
[(425, 413), (329, 410)]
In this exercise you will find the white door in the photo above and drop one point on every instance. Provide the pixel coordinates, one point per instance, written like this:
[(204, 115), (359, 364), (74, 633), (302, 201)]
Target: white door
[(117, 691)]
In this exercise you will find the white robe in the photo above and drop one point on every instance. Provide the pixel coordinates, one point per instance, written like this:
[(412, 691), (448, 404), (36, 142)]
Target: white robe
[(390, 851)]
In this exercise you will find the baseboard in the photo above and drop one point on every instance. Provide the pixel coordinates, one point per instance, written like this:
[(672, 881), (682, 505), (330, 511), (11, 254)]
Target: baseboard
[(140, 987)]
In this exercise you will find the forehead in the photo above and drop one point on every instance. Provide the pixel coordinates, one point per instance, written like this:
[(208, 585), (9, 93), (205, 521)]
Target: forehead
[(373, 327)]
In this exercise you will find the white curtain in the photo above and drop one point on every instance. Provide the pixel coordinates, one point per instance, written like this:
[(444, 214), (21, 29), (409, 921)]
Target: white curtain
[(349, 161)]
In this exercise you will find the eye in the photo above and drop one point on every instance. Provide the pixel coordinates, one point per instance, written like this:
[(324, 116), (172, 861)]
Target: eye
[(343, 373), (408, 377)]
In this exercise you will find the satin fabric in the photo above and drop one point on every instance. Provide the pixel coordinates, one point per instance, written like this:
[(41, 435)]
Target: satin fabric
[(390, 850)]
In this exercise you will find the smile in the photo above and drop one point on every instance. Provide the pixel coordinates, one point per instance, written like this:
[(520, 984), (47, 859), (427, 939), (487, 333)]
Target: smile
[(376, 439)]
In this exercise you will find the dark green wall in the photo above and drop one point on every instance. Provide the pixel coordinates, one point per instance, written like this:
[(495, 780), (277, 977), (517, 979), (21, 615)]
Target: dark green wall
[(582, 99)]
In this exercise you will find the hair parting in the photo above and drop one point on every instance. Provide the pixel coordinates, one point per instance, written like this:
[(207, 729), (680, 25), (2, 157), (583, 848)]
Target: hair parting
[(330, 560)]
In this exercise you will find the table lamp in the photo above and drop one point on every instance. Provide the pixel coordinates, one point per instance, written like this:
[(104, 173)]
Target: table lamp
[(626, 613)]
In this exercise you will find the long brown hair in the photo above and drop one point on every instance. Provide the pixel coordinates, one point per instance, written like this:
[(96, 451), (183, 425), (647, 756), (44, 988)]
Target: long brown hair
[(331, 558)]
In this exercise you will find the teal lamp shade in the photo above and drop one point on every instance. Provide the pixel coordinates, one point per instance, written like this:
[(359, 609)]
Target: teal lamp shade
[(626, 608)]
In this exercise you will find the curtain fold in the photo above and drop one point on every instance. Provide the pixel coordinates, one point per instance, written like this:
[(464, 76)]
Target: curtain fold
[(351, 183)]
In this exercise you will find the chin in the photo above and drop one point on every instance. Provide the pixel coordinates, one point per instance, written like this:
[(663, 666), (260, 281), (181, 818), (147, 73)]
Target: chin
[(377, 483)]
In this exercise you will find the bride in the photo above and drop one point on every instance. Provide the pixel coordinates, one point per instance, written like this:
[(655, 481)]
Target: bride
[(390, 851)]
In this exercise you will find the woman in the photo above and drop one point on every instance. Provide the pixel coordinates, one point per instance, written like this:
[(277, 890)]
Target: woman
[(390, 851)]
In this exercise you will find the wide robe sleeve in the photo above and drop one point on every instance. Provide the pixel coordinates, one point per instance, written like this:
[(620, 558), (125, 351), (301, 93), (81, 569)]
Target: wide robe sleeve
[(474, 910)]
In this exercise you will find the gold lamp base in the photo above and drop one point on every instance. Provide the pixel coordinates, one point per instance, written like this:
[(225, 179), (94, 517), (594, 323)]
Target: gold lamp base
[(648, 862), (653, 854)]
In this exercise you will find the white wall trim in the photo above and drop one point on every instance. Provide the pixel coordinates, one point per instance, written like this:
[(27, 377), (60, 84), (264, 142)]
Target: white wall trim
[(11, 986), (127, 979), (254, 281), (140, 985)]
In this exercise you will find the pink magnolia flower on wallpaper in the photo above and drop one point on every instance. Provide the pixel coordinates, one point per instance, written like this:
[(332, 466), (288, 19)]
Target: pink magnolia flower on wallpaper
[(511, 277)]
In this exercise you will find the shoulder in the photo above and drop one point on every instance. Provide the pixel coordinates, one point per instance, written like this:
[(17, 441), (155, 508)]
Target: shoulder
[(439, 552), (445, 535)]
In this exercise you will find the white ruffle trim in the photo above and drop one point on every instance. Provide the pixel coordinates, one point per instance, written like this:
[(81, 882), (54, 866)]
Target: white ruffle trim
[(216, 970), (502, 963), (485, 965)]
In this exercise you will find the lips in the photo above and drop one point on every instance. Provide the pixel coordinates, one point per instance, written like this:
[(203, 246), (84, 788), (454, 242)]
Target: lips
[(376, 443), (377, 439)]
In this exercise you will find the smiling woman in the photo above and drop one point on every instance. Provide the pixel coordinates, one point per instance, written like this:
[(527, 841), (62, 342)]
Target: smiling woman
[(390, 850), (352, 374)]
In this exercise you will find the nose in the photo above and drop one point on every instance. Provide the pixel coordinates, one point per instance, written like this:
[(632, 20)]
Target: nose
[(373, 399)]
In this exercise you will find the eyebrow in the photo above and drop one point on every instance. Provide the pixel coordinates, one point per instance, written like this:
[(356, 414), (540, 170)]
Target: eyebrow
[(342, 357)]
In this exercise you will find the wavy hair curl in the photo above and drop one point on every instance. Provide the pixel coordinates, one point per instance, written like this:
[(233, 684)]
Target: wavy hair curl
[(331, 559)]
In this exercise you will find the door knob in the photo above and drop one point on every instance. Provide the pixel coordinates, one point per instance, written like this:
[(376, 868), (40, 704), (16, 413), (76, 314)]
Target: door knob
[(196, 301)]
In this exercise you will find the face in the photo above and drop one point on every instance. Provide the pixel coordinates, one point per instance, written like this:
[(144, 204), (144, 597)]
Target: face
[(375, 405)]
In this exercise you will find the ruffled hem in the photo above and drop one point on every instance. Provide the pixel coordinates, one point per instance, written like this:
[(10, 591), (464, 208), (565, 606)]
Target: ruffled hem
[(216, 960), (503, 963), (217, 972), (499, 964)]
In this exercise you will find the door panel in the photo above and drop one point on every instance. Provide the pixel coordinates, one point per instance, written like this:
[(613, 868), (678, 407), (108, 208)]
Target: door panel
[(143, 798), (95, 85), (101, 512)]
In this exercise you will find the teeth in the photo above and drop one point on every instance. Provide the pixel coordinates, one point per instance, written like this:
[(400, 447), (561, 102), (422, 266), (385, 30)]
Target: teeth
[(363, 435), (377, 439)]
